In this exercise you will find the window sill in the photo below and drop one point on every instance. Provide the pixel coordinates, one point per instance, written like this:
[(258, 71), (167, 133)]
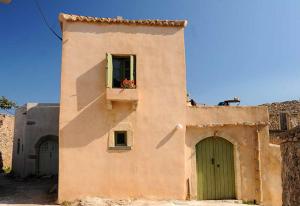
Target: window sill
[(120, 148), (121, 95)]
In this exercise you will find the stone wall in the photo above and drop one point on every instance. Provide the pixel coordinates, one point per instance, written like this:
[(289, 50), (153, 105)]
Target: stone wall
[(290, 152), (6, 139), (291, 108)]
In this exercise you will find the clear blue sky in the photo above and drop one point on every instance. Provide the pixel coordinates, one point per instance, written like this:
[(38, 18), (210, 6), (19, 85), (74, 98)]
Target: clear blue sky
[(244, 48)]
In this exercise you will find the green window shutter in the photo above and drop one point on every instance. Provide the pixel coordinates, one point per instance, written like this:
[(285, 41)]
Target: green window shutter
[(131, 67), (109, 70)]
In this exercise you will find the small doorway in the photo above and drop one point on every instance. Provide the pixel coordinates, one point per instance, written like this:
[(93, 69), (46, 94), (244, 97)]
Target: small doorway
[(215, 169), (48, 158)]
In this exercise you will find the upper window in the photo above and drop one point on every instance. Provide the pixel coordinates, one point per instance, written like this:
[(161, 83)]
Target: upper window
[(121, 71)]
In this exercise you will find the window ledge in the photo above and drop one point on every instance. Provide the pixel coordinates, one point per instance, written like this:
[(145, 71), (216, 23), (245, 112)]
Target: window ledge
[(120, 148), (121, 95)]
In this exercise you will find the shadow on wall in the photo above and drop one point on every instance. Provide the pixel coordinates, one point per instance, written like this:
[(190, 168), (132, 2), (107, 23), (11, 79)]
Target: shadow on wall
[(166, 139), (92, 118), (91, 85)]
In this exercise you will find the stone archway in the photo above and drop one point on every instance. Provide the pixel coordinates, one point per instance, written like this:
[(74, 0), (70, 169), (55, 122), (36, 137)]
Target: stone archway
[(47, 155)]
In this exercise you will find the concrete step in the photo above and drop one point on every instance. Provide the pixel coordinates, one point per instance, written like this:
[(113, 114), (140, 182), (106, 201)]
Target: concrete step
[(140, 202)]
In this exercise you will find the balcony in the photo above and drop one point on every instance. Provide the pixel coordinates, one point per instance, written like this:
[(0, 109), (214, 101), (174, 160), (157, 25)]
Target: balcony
[(121, 95)]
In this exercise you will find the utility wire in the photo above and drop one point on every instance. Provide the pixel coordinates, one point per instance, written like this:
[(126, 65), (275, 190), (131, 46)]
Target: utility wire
[(45, 20)]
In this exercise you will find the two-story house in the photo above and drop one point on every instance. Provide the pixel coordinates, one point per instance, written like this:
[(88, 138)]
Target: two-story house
[(126, 130)]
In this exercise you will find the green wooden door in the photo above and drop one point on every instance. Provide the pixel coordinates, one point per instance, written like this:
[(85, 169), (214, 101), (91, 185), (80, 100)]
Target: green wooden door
[(48, 158), (215, 169), (205, 169)]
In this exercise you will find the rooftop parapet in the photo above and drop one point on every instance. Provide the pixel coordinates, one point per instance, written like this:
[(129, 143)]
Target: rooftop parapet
[(211, 116)]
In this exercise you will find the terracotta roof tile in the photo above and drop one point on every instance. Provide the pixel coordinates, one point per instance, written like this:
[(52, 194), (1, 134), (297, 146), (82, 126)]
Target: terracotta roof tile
[(149, 22)]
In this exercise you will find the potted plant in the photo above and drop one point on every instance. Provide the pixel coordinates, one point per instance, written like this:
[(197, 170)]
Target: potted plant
[(128, 84)]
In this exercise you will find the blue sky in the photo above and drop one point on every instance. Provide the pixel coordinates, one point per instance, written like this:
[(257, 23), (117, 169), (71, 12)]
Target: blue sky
[(249, 49)]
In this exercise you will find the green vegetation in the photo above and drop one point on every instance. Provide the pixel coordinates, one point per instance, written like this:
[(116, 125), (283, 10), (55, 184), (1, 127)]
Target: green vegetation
[(249, 202), (7, 104), (6, 170), (66, 203)]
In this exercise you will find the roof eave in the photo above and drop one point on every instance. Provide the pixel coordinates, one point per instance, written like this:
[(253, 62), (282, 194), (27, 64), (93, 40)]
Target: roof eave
[(147, 22)]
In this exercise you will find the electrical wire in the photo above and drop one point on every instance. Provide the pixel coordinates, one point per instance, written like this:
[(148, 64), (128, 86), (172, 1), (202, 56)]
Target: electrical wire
[(45, 20)]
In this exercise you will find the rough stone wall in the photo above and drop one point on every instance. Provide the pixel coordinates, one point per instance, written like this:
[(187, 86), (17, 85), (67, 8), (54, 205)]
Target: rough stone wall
[(291, 173), (290, 152), (6, 139), (292, 108)]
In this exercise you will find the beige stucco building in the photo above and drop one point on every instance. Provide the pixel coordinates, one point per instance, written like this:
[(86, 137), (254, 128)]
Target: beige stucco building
[(139, 138), (35, 148)]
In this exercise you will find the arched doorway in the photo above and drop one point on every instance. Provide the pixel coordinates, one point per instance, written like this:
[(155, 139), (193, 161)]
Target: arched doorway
[(47, 155), (215, 169)]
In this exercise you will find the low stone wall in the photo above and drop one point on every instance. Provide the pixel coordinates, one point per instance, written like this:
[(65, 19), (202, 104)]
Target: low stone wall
[(292, 108), (6, 140), (290, 152)]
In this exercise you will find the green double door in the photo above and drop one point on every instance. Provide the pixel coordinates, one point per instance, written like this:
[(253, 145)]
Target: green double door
[(215, 169)]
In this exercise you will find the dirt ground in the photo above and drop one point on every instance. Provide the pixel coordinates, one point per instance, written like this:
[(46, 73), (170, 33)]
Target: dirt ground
[(28, 191), (35, 192)]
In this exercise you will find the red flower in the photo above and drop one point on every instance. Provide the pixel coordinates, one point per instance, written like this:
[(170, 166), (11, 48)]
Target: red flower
[(128, 84)]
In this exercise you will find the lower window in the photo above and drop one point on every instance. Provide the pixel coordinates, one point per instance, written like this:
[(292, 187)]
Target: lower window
[(120, 138)]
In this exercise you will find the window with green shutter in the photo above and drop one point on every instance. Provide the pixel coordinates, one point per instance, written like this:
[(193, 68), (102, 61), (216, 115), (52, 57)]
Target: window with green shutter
[(121, 71)]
